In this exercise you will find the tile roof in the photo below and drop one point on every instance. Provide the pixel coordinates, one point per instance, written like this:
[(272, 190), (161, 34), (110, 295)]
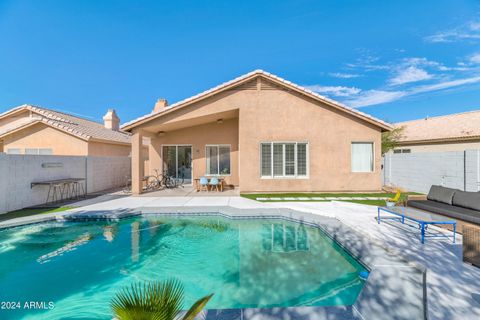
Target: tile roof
[(224, 85), (450, 127), (80, 127)]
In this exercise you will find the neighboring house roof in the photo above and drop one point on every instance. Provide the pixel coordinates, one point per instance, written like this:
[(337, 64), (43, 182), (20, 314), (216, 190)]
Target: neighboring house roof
[(82, 128), (247, 77), (453, 127)]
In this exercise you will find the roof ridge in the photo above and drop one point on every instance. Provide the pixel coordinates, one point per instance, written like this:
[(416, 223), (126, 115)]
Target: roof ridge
[(75, 125), (441, 116), (64, 113), (49, 114), (267, 74), (326, 98)]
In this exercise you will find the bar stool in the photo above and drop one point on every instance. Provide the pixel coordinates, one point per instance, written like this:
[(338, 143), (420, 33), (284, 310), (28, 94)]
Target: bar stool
[(77, 186), (54, 190)]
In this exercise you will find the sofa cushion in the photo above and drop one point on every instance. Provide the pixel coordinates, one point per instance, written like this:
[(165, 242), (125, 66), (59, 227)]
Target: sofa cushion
[(443, 209), (441, 194), (470, 200)]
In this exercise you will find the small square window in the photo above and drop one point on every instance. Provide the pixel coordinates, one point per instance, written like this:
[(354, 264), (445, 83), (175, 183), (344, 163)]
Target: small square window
[(362, 157)]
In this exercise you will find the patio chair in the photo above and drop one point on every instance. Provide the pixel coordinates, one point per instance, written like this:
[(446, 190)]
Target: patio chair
[(203, 183), (214, 183), (394, 200)]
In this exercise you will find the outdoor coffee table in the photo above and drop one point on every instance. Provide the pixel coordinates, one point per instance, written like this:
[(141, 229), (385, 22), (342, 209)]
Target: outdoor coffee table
[(423, 218)]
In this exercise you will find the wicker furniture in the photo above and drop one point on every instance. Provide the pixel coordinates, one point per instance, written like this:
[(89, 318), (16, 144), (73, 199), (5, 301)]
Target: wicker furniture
[(471, 245), (462, 206)]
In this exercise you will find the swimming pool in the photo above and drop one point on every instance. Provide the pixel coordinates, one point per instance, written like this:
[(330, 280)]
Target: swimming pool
[(246, 263)]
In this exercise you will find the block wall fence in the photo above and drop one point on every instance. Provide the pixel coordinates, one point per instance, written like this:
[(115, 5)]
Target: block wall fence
[(418, 171), (18, 171)]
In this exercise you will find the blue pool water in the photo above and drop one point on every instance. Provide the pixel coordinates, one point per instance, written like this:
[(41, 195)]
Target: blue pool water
[(78, 266)]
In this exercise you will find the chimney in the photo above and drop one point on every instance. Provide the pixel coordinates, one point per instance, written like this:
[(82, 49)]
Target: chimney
[(111, 120), (160, 106)]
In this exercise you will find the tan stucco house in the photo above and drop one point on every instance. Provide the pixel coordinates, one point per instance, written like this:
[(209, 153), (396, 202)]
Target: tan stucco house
[(30, 129), (453, 132), (262, 134)]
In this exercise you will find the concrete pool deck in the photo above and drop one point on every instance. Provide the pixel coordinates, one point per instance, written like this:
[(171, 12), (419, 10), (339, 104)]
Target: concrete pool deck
[(451, 284)]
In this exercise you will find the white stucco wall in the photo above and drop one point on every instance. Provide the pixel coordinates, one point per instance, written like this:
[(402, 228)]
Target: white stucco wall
[(418, 171), (18, 171)]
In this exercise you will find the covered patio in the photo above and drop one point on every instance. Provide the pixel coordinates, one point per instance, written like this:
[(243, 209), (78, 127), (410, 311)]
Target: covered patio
[(186, 146)]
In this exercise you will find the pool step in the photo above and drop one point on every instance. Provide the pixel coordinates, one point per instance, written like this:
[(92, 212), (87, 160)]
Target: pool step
[(103, 215)]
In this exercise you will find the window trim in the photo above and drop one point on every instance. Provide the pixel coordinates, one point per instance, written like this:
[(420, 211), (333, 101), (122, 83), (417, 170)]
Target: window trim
[(373, 157), (218, 155), (283, 176)]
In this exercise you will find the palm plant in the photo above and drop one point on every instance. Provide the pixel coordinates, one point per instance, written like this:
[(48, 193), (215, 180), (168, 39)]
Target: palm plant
[(160, 300)]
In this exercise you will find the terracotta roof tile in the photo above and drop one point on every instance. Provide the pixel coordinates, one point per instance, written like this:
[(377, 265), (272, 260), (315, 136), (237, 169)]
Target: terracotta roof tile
[(455, 126), (80, 127), (268, 75)]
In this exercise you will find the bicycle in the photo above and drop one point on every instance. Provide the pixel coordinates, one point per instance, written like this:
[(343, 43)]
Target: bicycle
[(150, 184), (157, 181), (153, 182), (168, 181)]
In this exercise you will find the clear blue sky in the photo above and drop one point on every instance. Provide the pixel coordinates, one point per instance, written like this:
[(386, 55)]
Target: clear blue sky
[(397, 60)]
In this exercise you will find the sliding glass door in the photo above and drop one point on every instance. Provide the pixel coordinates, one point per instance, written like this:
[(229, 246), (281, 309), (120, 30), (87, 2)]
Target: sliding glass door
[(177, 162)]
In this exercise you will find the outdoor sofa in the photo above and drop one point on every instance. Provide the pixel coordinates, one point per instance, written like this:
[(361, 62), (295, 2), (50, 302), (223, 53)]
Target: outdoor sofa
[(462, 206), (453, 203)]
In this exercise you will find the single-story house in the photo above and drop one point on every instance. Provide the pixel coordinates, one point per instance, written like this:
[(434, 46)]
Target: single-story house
[(262, 133), (30, 129), (453, 132)]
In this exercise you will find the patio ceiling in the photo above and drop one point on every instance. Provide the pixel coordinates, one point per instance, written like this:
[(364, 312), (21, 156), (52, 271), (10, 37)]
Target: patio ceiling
[(177, 123)]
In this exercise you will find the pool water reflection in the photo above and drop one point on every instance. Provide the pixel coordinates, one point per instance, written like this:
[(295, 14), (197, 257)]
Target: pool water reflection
[(247, 263)]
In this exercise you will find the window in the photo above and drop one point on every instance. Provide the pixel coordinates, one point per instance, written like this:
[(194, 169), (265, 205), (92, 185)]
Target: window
[(218, 159), (362, 157), (283, 159), (402, 151), (38, 151), (14, 151)]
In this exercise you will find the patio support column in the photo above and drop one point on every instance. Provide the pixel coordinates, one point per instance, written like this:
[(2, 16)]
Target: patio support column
[(137, 162)]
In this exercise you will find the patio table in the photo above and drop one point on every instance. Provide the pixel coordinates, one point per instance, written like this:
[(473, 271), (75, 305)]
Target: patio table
[(422, 218), (197, 183), (68, 188)]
